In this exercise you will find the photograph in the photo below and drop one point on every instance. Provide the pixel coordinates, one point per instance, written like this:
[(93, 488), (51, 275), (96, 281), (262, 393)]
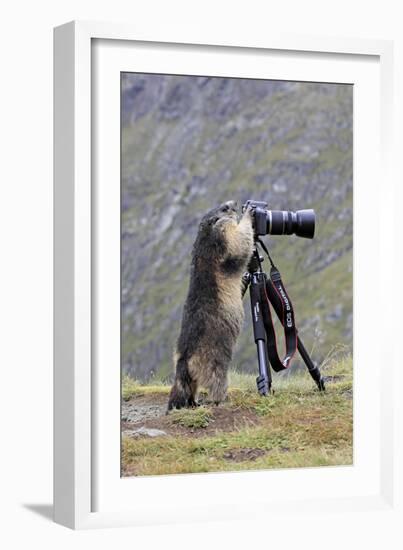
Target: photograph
[(236, 282)]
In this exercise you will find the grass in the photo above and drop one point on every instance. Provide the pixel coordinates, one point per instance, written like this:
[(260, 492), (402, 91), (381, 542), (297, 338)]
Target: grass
[(132, 388), (295, 427), (192, 418)]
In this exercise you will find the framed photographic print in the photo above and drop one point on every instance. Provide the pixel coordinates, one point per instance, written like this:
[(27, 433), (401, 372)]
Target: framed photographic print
[(213, 307)]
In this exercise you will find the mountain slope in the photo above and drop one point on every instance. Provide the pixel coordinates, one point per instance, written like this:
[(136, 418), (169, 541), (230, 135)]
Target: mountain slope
[(189, 143)]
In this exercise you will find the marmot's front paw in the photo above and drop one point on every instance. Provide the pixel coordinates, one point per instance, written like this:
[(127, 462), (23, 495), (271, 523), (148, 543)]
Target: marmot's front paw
[(248, 216), (248, 213)]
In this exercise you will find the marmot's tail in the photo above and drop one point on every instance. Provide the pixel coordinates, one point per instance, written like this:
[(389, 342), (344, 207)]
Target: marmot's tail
[(181, 393)]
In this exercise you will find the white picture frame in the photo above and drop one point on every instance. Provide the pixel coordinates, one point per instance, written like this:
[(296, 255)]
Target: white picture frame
[(88, 491)]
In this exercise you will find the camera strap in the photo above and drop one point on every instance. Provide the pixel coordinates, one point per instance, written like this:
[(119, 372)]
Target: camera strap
[(276, 295)]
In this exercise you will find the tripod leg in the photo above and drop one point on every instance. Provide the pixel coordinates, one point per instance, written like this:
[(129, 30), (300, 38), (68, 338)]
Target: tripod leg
[(312, 368), (263, 381)]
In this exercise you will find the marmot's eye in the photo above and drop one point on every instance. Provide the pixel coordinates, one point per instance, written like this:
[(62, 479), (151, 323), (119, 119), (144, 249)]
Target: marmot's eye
[(225, 208)]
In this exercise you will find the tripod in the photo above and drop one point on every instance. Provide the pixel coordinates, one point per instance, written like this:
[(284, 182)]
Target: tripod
[(262, 292)]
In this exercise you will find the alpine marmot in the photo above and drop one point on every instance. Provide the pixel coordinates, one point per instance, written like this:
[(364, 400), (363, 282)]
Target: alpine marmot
[(213, 313)]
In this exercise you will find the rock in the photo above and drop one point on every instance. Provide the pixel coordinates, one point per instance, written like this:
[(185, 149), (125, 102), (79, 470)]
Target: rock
[(336, 314), (141, 413), (148, 432), (279, 187)]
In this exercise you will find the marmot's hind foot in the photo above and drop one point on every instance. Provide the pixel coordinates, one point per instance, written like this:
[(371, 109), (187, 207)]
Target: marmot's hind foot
[(180, 400), (192, 403), (218, 390)]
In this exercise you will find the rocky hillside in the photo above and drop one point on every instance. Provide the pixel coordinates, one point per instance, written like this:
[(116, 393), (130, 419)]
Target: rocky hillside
[(189, 143)]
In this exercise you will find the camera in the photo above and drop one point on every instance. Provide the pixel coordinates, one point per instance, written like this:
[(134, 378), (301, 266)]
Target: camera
[(281, 222)]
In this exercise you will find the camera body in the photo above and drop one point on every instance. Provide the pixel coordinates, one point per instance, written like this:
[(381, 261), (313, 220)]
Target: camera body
[(281, 222)]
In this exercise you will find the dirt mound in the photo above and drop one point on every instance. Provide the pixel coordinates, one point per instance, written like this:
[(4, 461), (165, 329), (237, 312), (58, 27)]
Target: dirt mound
[(149, 411)]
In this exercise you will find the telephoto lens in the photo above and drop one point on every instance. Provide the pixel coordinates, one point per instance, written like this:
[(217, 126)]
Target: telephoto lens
[(281, 222), (284, 222)]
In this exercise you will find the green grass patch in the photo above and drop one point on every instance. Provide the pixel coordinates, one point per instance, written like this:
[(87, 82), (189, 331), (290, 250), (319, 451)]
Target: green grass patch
[(132, 388), (199, 417)]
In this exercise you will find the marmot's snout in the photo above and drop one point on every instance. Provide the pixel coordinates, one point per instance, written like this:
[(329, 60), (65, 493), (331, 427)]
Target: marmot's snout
[(229, 209)]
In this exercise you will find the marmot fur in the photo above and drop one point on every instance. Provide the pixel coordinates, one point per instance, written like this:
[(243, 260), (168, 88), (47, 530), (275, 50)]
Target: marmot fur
[(213, 313)]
